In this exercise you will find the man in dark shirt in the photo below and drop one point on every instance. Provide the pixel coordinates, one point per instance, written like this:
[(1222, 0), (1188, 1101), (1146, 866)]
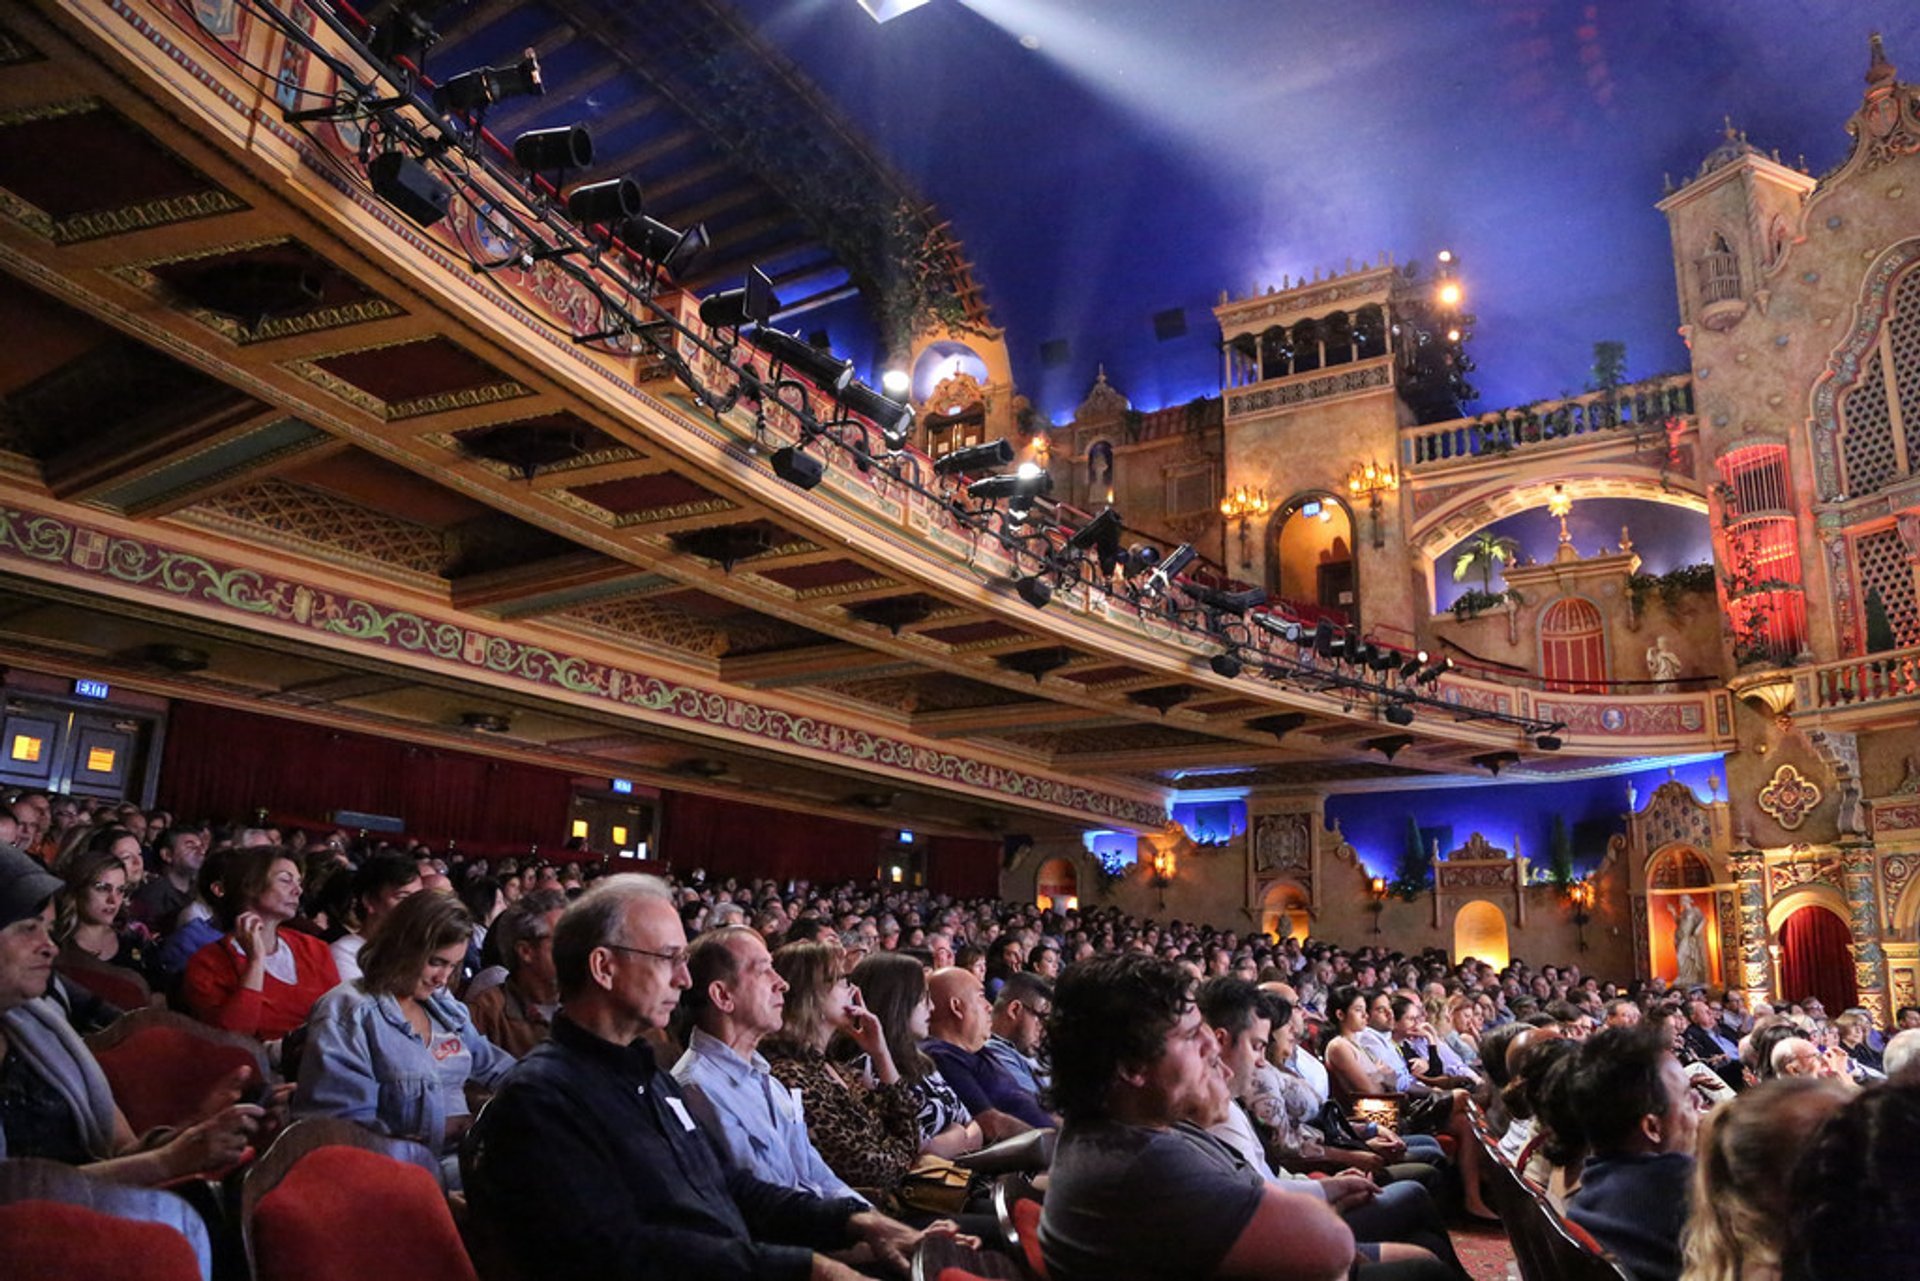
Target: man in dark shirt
[(159, 900), (588, 1162), (1636, 1112), (959, 1025)]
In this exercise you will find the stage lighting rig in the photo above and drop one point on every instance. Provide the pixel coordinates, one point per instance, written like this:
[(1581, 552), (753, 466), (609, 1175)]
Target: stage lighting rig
[(1225, 602), (610, 202), (1101, 536), (668, 248), (894, 419), (822, 368), (1171, 568), (982, 457), (471, 92), (1030, 481), (732, 308), (554, 150)]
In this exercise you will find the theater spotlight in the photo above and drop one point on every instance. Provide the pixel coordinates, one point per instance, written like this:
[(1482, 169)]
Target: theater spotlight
[(822, 368), (1323, 641), (801, 470), (1285, 628), (553, 150), (1225, 665), (1034, 590), (1364, 653), (1237, 603), (1412, 664), (732, 308), (408, 186), (667, 248), (1548, 742), (1398, 714), (474, 91), (1031, 481), (1434, 671), (1101, 535), (612, 201), (1383, 659), (894, 419), (982, 457), (1174, 565)]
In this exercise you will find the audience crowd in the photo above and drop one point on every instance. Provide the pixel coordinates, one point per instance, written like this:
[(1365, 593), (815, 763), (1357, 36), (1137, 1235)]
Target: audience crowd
[(682, 1076)]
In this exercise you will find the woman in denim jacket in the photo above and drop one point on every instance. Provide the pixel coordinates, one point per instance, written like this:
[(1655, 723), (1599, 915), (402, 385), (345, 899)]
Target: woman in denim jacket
[(394, 1050)]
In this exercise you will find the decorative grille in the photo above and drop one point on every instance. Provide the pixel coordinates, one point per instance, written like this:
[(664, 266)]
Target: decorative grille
[(1190, 490), (1867, 447), (1903, 340), (1573, 652), (1882, 558)]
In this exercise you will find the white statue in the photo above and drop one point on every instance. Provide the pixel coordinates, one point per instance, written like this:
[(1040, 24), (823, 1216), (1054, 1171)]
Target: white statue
[(1663, 665), (1689, 946)]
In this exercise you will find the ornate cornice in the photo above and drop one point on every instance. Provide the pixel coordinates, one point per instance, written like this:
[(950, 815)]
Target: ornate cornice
[(48, 545)]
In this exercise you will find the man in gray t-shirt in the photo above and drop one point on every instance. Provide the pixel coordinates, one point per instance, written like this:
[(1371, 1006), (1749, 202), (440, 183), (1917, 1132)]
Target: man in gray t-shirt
[(1136, 1189)]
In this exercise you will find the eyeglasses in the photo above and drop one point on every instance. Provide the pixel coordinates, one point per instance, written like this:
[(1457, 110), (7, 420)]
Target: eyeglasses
[(674, 959)]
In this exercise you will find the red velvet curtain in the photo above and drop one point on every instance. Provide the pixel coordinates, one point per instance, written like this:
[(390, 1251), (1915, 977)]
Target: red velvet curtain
[(222, 763), (963, 867), (1814, 960), (731, 839)]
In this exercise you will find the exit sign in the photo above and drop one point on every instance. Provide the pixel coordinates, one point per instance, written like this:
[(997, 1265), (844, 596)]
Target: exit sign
[(91, 689)]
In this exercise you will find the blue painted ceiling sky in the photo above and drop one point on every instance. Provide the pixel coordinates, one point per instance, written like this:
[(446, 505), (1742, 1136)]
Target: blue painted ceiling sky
[(1105, 160)]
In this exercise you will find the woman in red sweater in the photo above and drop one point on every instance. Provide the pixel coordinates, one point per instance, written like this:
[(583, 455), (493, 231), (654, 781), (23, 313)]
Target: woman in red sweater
[(258, 978)]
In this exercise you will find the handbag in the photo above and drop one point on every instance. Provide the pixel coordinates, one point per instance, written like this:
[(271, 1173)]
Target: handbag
[(934, 1185)]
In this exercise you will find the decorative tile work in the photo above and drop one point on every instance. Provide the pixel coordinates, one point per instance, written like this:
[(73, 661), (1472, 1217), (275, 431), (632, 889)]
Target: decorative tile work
[(1790, 797), (212, 588)]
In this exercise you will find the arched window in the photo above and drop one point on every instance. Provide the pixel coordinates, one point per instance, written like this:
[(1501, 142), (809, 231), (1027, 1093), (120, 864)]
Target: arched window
[(1719, 270), (1276, 356), (1336, 331), (1573, 647), (1305, 341), (1480, 931)]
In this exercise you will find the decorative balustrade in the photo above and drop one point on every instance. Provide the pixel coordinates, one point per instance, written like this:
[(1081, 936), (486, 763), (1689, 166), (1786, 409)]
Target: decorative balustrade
[(1636, 408), (1854, 682)]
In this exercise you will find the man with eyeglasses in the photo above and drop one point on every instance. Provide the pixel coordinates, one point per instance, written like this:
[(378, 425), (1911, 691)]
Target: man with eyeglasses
[(588, 1162)]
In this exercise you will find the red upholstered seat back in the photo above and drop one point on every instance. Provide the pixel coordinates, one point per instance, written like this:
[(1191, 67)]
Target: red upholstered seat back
[(48, 1241), (114, 984), (1026, 1221), (347, 1214), (161, 1075), (959, 1274)]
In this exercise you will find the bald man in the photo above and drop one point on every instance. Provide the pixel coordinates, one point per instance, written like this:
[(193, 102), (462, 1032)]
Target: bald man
[(958, 1029)]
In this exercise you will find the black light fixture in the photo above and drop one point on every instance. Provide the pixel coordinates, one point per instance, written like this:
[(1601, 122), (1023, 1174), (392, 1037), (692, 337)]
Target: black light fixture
[(612, 201), (476, 90), (1286, 629), (982, 457), (1034, 590), (1225, 665), (1101, 535), (669, 249), (894, 419), (1141, 557), (404, 33), (799, 469), (1323, 644), (732, 308), (1383, 659), (1171, 568), (408, 186), (553, 150), (1548, 742), (822, 368), (1363, 652), (1029, 482), (1237, 603), (1411, 664), (1398, 714), (1434, 671)]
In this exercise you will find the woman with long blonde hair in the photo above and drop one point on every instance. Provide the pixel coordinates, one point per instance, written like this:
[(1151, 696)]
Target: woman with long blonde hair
[(1743, 1176)]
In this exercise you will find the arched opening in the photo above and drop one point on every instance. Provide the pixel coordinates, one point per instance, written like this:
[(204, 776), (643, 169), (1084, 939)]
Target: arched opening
[(1058, 885), (1573, 647), (1305, 342), (1336, 333), (1276, 355), (1816, 958), (1283, 911), (1310, 564), (1369, 333), (1683, 930), (1480, 931)]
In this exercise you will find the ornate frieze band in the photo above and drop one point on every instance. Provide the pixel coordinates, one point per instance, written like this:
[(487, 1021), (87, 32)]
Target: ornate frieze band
[(186, 580)]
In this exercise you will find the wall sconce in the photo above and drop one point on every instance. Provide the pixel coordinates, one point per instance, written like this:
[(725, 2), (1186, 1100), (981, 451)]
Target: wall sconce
[(1378, 888), (1163, 867), (1239, 505), (1580, 899), (1369, 480)]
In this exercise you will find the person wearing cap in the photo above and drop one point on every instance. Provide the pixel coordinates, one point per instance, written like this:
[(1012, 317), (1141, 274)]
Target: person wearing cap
[(54, 1100)]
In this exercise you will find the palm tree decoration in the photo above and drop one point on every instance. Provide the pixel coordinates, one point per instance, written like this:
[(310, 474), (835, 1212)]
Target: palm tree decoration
[(1485, 550)]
